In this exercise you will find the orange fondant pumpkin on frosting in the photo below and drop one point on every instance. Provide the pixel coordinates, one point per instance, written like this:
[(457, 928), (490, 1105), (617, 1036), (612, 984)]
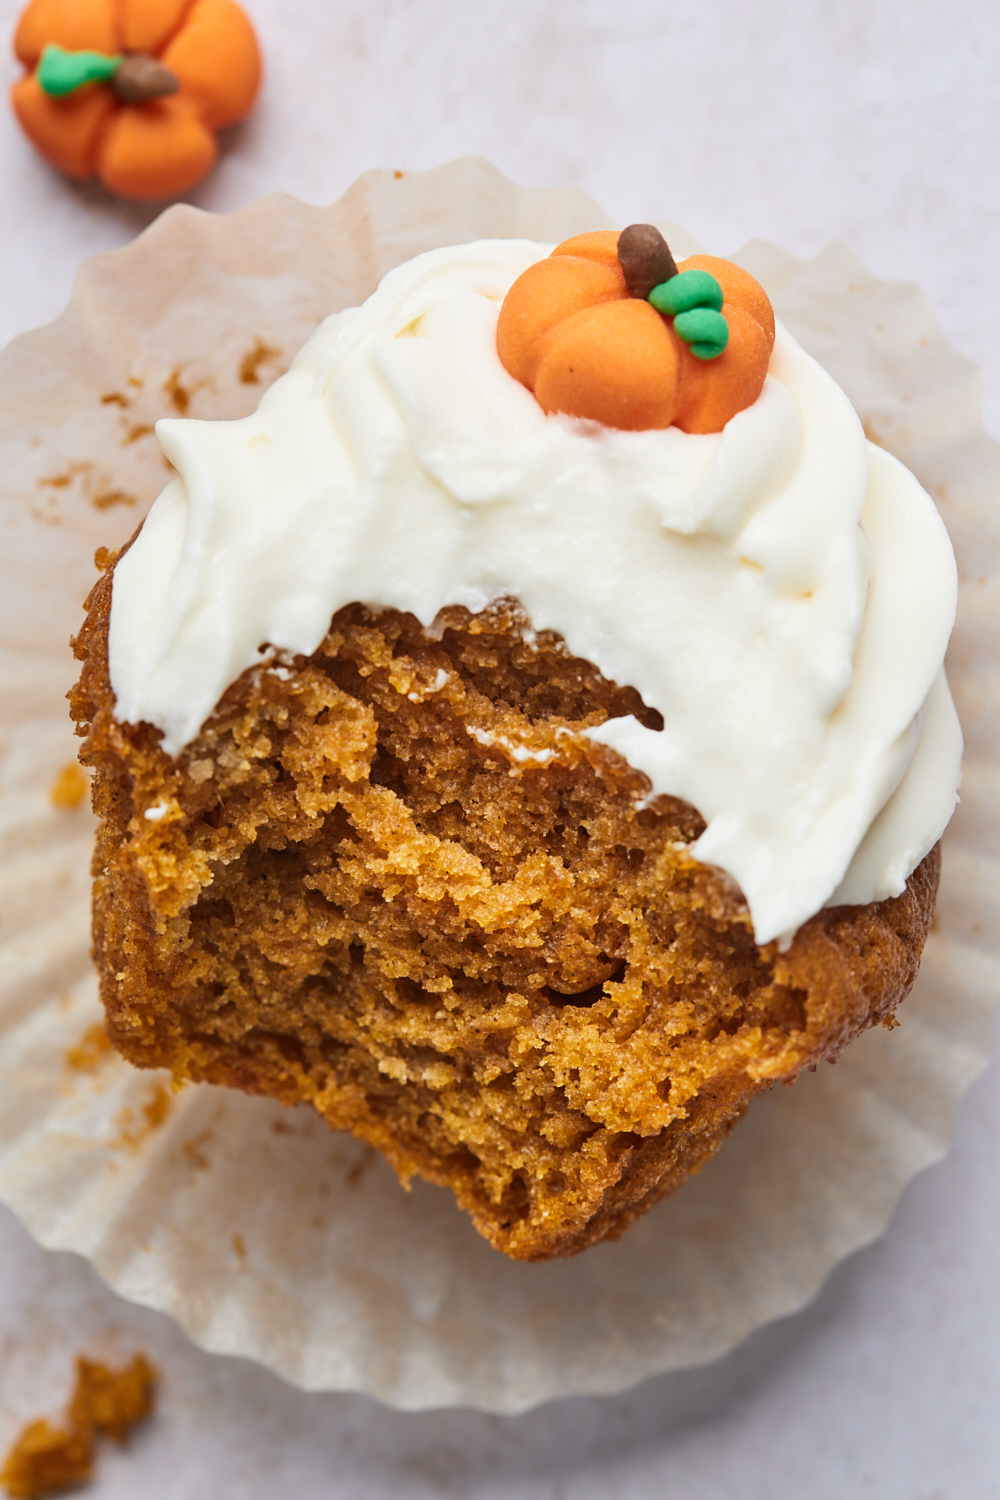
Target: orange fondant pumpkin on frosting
[(140, 142), (572, 332)]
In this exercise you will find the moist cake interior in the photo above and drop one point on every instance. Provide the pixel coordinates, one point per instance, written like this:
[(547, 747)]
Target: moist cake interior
[(397, 881)]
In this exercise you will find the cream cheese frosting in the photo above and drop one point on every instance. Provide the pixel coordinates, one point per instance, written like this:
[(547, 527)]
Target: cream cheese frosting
[(782, 592)]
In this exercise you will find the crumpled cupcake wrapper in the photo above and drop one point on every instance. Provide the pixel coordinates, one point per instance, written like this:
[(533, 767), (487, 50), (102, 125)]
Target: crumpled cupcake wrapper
[(264, 1234)]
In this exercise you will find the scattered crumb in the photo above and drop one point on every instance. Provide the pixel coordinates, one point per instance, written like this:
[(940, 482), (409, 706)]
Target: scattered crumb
[(194, 1150), (91, 1050), (99, 489), (47, 1457), (70, 787), (104, 499), (360, 1167), (132, 1131), (239, 1245), (49, 515), (112, 1401), (250, 364), (397, 174), (60, 481), (179, 394), (133, 431), (104, 557)]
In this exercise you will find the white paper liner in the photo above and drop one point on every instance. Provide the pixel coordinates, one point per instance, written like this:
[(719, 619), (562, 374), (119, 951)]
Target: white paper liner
[(263, 1233)]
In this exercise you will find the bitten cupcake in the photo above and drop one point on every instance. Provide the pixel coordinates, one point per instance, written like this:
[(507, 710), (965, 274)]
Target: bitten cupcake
[(525, 737)]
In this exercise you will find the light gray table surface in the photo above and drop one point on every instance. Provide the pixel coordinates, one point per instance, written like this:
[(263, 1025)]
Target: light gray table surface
[(801, 121)]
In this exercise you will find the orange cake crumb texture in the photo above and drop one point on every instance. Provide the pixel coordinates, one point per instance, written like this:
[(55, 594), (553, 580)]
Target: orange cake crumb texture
[(48, 1458), (69, 788), (395, 880), (570, 332), (86, 1055)]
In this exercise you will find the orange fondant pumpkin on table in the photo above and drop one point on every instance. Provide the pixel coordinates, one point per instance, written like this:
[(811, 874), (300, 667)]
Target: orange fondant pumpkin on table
[(608, 327), (133, 91)]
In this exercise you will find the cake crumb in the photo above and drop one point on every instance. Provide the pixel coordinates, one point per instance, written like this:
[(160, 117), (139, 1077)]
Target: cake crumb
[(98, 489), (108, 497), (132, 1131), (46, 1459), (180, 395), (70, 787), (64, 480), (112, 1401), (360, 1167), (50, 1457), (91, 1050), (250, 364), (194, 1150)]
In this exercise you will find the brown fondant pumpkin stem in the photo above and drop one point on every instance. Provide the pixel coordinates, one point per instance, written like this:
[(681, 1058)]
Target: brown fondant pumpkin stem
[(645, 259), (140, 77)]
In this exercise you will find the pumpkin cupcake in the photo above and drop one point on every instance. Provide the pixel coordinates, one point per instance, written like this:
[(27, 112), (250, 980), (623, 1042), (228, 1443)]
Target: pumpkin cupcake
[(525, 737)]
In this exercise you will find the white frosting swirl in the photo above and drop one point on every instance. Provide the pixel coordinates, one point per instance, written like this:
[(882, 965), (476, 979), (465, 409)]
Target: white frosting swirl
[(781, 592)]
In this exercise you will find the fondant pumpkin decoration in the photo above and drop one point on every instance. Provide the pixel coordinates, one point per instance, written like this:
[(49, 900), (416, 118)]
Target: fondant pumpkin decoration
[(609, 327), (133, 91)]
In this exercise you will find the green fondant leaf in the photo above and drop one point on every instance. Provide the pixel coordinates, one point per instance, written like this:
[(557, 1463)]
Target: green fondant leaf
[(687, 290), (704, 329), (61, 72)]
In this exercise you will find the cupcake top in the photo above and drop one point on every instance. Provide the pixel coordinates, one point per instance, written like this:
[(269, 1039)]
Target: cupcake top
[(780, 591)]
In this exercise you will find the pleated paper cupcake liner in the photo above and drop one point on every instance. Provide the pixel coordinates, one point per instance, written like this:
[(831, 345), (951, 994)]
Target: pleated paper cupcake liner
[(263, 1233)]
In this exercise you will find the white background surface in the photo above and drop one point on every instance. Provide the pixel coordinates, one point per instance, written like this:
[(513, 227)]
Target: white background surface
[(873, 121)]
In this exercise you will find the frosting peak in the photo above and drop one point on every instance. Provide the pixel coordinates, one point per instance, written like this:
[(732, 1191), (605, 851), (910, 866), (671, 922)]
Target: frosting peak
[(780, 591)]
